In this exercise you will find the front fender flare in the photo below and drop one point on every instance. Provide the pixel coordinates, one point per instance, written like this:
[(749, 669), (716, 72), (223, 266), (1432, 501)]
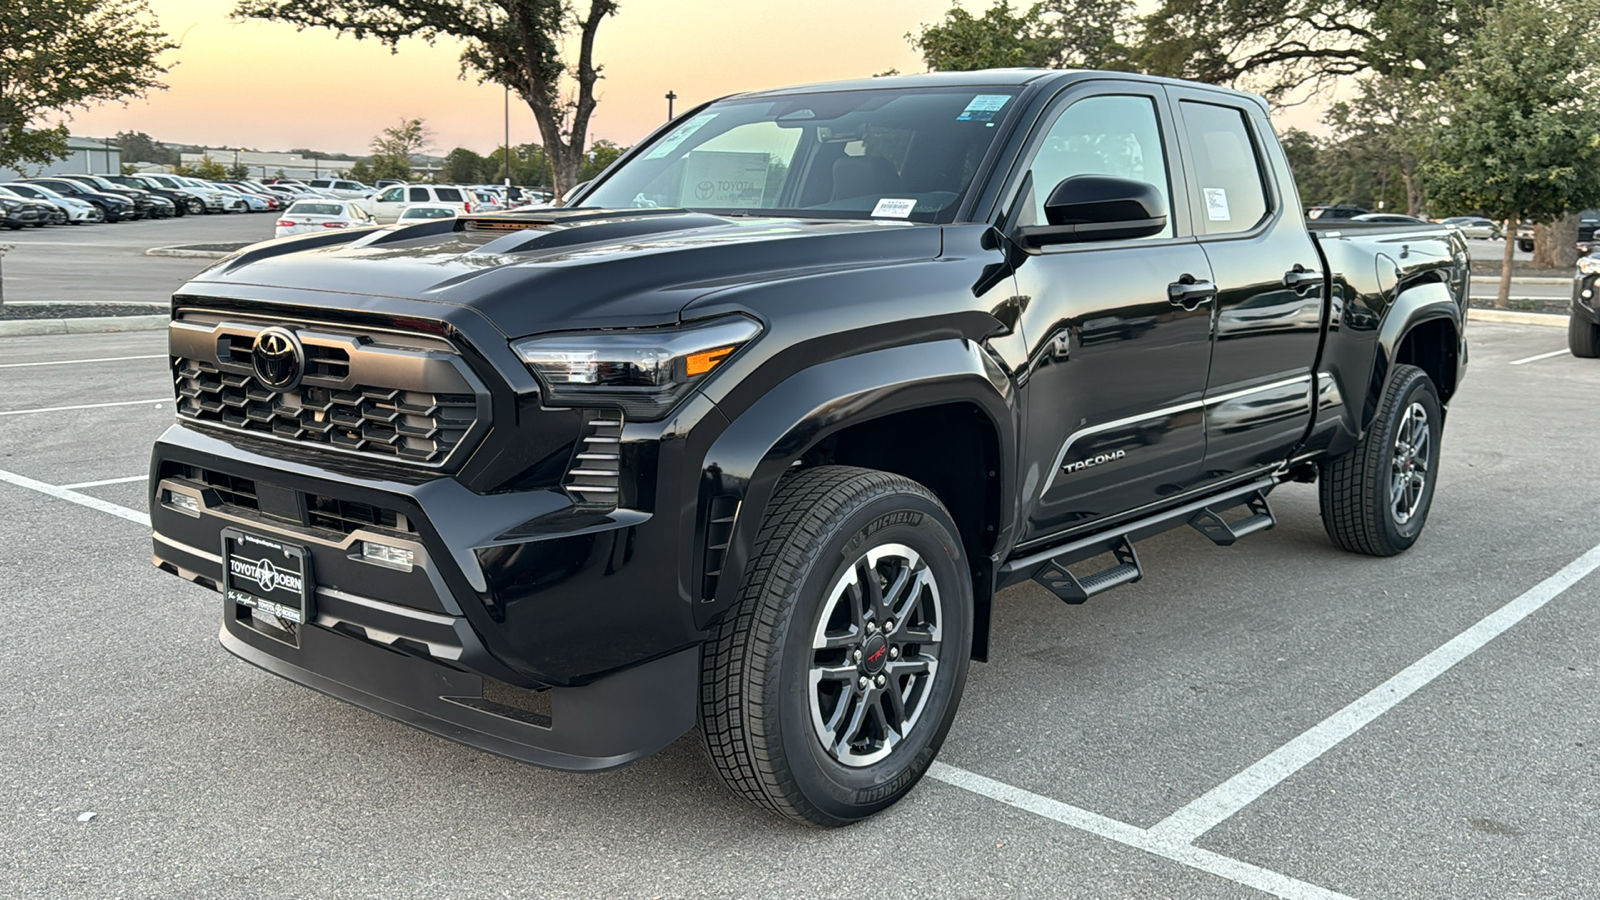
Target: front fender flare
[(742, 468)]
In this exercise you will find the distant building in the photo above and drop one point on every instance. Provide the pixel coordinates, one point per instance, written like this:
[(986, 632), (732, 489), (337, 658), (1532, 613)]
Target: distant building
[(268, 165), (85, 156)]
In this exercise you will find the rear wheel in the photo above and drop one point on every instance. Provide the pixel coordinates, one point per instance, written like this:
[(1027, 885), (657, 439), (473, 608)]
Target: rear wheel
[(1583, 337), (827, 693), (1375, 499)]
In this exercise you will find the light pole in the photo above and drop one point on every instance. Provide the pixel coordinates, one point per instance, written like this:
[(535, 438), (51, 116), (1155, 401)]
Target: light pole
[(508, 135), (670, 97)]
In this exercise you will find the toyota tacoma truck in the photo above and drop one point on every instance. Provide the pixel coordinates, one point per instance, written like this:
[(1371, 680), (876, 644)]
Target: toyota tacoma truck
[(749, 435)]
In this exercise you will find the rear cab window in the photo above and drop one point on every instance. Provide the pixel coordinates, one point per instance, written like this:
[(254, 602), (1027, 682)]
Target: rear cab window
[(1230, 194)]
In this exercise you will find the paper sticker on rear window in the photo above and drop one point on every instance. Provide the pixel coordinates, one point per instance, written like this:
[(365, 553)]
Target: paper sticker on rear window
[(1217, 205), (679, 135), (894, 209), (983, 108)]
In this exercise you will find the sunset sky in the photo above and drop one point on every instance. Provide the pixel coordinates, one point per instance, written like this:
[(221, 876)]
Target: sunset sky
[(265, 86)]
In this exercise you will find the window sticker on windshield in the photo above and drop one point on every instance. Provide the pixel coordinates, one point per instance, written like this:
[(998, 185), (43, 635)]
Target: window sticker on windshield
[(683, 133), (894, 209), (983, 108), (1217, 205)]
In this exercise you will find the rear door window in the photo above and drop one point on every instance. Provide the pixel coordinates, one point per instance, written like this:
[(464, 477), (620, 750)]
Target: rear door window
[(1229, 191), (448, 195), (418, 195)]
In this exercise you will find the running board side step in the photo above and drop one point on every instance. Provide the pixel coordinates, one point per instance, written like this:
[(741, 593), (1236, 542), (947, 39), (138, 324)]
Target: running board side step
[(1072, 589), (1049, 566), (1220, 531)]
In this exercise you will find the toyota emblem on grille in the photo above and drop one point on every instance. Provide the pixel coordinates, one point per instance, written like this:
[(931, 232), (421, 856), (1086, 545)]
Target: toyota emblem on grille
[(278, 358)]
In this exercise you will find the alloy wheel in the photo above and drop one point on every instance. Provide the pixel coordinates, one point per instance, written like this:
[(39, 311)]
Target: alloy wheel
[(1408, 479)]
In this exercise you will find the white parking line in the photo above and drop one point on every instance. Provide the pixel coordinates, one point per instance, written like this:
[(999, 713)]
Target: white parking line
[(1233, 795), (102, 483), (1265, 880), (74, 362), (1523, 362), (71, 496), (24, 412)]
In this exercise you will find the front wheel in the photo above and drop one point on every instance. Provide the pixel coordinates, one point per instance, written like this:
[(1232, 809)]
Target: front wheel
[(1375, 499), (828, 691), (1583, 337)]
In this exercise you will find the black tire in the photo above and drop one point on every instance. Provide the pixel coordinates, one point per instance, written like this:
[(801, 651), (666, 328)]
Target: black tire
[(1358, 490), (1525, 246), (1583, 337), (761, 712)]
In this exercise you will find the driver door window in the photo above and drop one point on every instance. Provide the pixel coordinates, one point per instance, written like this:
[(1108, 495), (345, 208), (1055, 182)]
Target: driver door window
[(1115, 135)]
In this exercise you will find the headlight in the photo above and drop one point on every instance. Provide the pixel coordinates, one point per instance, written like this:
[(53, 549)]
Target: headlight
[(1589, 265), (10, 204), (644, 372)]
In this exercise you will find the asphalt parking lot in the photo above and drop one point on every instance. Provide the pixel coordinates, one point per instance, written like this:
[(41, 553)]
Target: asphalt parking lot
[(1279, 718)]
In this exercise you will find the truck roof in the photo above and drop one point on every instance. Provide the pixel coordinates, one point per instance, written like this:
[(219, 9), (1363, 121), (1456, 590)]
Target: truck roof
[(982, 77)]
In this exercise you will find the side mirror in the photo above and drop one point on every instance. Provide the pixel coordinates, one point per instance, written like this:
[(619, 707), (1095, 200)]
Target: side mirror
[(1098, 208)]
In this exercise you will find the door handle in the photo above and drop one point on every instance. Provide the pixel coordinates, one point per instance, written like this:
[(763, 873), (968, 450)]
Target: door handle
[(1189, 292), (1300, 277)]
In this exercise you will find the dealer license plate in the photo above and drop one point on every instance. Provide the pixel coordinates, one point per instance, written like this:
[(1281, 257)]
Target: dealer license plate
[(267, 575)]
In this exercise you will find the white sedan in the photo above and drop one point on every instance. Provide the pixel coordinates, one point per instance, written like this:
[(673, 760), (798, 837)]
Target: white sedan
[(306, 216), (411, 215)]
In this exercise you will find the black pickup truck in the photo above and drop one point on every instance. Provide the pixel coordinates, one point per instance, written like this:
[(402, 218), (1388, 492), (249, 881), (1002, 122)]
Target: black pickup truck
[(751, 434)]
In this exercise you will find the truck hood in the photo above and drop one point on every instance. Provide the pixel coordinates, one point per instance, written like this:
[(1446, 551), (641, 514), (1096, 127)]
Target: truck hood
[(552, 270)]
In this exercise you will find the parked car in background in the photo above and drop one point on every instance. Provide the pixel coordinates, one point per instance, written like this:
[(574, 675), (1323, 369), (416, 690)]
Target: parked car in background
[(1583, 328), (319, 215), (253, 202), (202, 199), (387, 206), (115, 207), (21, 213), (182, 204), (424, 211), (343, 188), (281, 194), (386, 182), (1389, 219), (1476, 227), (76, 212), (301, 192), (1335, 212), (144, 202)]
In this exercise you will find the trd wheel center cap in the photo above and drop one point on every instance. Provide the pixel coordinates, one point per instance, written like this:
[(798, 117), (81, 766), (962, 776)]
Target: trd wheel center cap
[(874, 654)]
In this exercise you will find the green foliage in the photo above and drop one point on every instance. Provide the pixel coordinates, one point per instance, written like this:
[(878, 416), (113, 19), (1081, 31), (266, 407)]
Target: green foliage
[(206, 168), (238, 170), (140, 147), (601, 154), (1049, 34), (393, 148), (516, 43), (1519, 131), (64, 54), (530, 165), (359, 171), (463, 166)]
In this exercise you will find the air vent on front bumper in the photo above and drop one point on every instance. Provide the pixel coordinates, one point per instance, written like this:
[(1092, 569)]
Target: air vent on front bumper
[(312, 510), (594, 477), (404, 398)]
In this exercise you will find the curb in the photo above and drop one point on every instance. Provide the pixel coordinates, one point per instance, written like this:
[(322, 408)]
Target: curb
[(85, 325), (181, 253), (1530, 279), (1512, 317)]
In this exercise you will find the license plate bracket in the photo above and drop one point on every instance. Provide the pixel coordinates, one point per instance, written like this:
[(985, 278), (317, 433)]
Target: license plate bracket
[(268, 576)]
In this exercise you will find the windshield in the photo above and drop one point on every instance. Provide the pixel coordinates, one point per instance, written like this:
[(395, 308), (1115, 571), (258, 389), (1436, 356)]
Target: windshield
[(898, 154)]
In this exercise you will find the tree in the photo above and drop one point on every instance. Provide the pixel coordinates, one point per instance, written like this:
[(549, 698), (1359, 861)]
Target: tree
[(61, 55), (601, 155), (1387, 122), (238, 171), (463, 166), (1519, 136), (140, 147), (393, 148), (529, 165), (207, 168), (515, 43), (1050, 34), (360, 171)]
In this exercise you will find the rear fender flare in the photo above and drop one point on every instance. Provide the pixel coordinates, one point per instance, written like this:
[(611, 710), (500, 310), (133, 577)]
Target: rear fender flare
[(764, 440), (1415, 305)]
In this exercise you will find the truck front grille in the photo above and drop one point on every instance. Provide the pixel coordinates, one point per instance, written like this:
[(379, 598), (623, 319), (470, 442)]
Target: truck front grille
[(405, 399)]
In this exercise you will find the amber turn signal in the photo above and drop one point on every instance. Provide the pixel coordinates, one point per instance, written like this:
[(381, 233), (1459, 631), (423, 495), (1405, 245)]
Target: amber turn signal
[(706, 360)]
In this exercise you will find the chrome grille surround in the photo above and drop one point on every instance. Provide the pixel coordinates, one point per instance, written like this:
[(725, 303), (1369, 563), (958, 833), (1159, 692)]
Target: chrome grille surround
[(399, 397)]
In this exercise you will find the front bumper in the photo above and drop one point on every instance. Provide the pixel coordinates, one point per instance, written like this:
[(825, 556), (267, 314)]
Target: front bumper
[(518, 594), (1586, 298)]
